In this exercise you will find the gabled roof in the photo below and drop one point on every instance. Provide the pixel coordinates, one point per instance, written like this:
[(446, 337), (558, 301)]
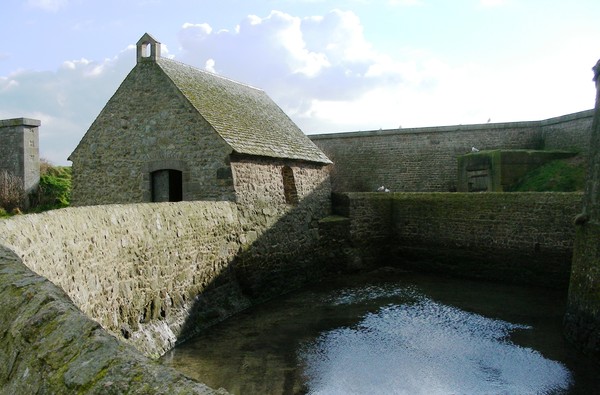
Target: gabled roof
[(244, 116)]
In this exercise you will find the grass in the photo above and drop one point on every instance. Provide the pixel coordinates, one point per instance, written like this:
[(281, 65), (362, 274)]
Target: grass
[(563, 175), (53, 192)]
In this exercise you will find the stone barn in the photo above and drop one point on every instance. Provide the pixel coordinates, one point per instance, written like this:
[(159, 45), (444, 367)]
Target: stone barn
[(172, 132)]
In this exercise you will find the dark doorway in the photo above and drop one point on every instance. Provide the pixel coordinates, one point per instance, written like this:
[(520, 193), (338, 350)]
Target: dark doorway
[(167, 186)]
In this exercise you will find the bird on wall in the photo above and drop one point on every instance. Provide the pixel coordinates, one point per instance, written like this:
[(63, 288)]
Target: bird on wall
[(473, 149)]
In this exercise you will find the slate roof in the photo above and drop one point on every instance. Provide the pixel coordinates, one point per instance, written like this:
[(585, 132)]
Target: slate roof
[(244, 116)]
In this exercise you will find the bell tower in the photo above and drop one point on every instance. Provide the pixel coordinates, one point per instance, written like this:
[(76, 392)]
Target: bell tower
[(148, 49)]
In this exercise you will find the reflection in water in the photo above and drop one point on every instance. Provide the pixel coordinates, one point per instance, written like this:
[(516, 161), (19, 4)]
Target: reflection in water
[(428, 348), (393, 333)]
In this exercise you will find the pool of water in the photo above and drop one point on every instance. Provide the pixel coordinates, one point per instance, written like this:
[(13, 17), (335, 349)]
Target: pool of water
[(388, 332)]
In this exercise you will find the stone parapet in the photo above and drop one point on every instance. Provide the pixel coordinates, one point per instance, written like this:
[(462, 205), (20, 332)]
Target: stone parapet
[(425, 159), (50, 347)]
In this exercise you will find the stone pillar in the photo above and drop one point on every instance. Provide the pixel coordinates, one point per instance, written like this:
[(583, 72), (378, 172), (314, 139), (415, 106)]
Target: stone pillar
[(582, 319), (19, 150)]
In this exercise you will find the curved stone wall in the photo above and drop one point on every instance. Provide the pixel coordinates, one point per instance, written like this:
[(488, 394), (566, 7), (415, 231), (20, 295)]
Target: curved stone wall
[(152, 274), (136, 269), (49, 347)]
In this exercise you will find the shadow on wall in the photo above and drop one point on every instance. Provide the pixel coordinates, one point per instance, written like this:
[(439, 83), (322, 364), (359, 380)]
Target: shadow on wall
[(152, 275), (281, 248)]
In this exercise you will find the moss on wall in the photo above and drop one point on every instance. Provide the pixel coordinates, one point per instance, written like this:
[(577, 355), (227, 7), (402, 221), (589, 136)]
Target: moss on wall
[(500, 170), (566, 175), (519, 237), (582, 319), (48, 346)]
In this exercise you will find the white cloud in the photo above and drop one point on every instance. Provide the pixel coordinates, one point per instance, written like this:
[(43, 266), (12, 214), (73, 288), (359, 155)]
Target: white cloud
[(48, 5), (320, 69), (327, 76), (210, 65), (66, 100)]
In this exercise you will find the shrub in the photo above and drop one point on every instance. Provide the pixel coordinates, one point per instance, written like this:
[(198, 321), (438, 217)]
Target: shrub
[(12, 193), (54, 190)]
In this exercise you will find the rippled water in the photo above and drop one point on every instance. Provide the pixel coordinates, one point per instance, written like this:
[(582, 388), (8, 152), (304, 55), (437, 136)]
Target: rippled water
[(394, 333)]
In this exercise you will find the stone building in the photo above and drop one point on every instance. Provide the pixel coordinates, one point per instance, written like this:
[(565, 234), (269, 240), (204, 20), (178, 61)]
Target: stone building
[(19, 150), (173, 132)]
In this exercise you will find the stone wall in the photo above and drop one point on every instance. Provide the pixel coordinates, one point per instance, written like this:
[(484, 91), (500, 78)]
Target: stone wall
[(568, 132), (425, 159), (260, 179), (153, 274), (582, 319), (136, 269), (517, 237), (50, 347)]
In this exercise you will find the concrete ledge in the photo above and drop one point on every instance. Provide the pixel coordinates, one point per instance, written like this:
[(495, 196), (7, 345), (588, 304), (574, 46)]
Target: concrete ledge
[(19, 122)]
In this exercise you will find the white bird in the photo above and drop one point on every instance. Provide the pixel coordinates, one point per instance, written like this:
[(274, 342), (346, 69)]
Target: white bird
[(381, 189), (386, 190), (473, 149)]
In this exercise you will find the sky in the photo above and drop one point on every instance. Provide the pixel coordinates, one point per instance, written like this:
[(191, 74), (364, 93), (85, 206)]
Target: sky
[(332, 66)]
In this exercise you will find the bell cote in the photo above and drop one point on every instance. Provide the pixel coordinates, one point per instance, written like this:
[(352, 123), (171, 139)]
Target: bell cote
[(148, 49)]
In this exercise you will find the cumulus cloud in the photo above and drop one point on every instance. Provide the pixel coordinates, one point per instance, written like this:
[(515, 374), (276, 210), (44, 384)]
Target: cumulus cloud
[(328, 77), (65, 100), (298, 61), (320, 69)]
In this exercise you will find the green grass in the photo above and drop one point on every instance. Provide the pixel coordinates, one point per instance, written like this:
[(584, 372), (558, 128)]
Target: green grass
[(54, 191), (565, 175)]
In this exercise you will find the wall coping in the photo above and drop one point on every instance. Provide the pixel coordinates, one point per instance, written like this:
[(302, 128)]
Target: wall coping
[(456, 128), (19, 122)]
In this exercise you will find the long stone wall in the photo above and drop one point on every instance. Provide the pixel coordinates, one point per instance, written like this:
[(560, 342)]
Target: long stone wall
[(136, 269), (48, 346), (517, 237), (139, 269), (153, 274), (425, 159)]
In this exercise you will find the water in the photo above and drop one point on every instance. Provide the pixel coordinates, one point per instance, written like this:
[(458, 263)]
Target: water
[(394, 333)]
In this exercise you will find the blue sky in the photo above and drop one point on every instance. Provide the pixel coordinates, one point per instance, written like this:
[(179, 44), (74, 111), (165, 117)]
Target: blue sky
[(333, 66)]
